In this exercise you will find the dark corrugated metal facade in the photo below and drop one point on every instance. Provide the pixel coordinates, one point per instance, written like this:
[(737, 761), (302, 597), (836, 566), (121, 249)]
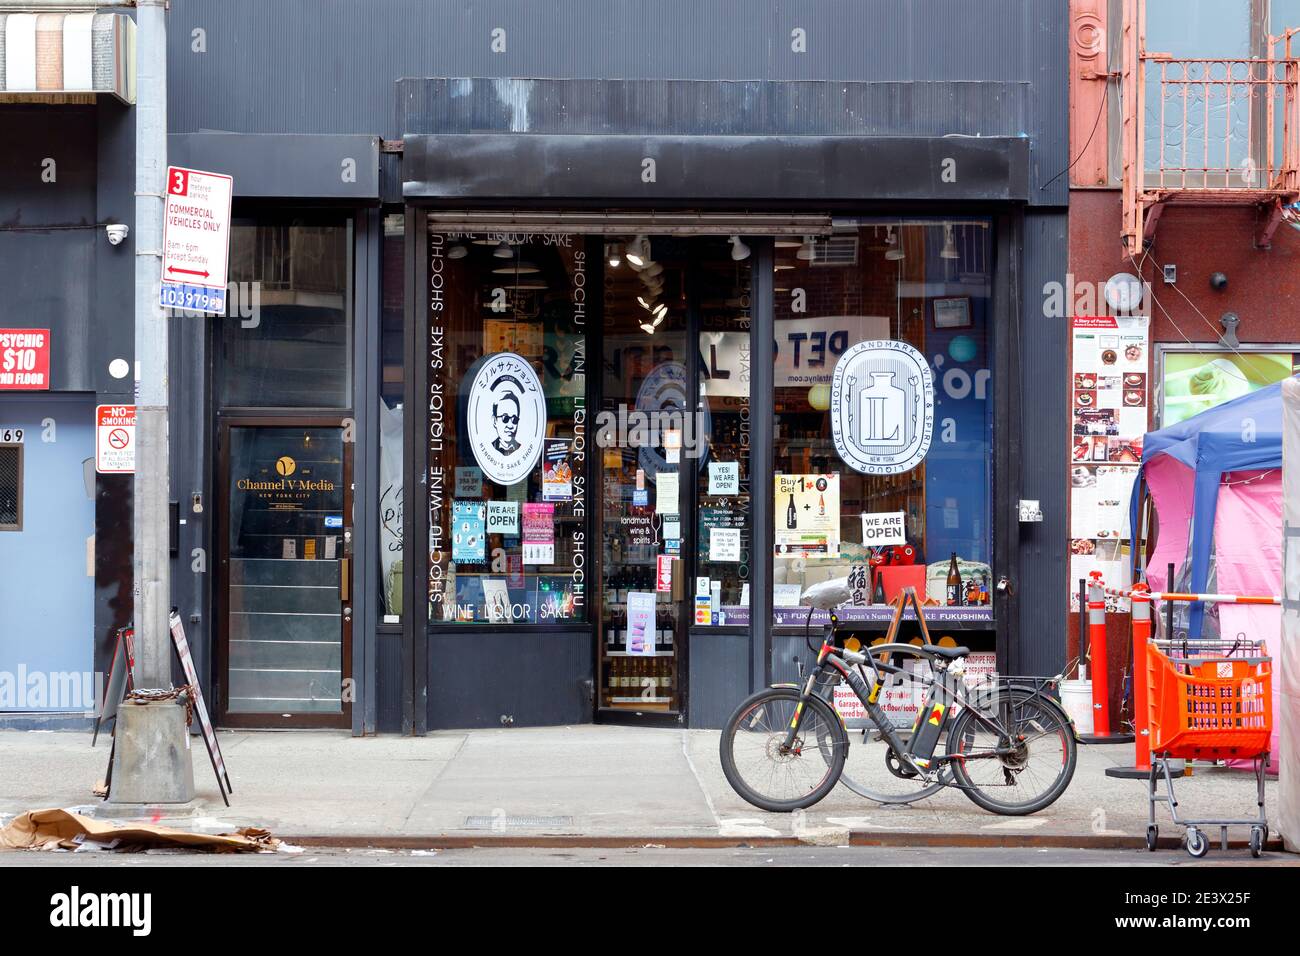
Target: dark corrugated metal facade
[(878, 68)]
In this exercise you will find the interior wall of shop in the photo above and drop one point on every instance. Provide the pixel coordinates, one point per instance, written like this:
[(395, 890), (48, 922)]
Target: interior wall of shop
[(1263, 289), (58, 272)]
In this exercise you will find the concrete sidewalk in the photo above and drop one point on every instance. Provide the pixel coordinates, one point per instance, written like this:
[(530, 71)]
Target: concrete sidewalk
[(580, 785)]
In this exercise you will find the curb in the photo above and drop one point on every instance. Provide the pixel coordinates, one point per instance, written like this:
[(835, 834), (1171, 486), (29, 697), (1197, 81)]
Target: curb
[(858, 838)]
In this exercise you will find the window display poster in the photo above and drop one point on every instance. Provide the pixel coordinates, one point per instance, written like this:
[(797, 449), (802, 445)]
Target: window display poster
[(468, 531), (641, 622), (666, 493), (1194, 382), (503, 517), (664, 573), (724, 478), (807, 514), (555, 598), (724, 545), (557, 473), (496, 600), (539, 533), (469, 481)]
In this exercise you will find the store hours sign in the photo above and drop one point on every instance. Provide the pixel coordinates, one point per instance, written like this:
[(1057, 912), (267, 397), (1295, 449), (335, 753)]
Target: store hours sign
[(882, 407)]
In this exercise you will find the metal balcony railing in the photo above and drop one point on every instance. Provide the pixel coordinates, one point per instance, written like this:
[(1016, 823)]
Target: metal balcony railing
[(1216, 131)]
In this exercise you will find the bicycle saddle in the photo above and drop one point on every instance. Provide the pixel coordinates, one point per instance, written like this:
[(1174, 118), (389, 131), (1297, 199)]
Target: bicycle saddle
[(949, 653)]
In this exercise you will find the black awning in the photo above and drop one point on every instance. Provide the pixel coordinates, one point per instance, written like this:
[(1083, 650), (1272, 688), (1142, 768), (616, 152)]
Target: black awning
[(714, 169)]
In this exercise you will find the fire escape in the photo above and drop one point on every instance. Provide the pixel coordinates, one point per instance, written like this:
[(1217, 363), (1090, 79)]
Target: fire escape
[(1210, 132)]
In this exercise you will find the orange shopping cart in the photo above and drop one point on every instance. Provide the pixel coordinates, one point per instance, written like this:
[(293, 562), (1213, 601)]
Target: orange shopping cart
[(1208, 700)]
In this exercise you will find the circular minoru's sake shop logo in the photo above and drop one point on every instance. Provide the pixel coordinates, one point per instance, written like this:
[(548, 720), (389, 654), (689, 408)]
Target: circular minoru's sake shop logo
[(882, 407), (506, 418)]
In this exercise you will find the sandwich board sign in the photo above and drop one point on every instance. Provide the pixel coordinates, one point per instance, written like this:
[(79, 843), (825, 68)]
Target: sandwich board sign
[(182, 647), (196, 240)]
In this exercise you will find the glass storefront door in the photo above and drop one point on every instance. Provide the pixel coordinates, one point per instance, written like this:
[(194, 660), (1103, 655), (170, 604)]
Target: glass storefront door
[(286, 539), (669, 431)]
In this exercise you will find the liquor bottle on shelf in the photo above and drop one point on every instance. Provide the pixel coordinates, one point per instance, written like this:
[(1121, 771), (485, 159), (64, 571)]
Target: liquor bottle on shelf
[(954, 583)]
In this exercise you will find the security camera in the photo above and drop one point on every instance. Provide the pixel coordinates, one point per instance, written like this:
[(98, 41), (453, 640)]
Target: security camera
[(116, 232), (1218, 280)]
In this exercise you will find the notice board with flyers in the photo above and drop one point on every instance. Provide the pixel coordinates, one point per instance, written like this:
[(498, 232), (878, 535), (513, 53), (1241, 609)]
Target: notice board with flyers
[(1110, 389)]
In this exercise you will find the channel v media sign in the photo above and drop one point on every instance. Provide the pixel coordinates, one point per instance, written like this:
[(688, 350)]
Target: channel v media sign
[(196, 240), (24, 359), (115, 439), (882, 407)]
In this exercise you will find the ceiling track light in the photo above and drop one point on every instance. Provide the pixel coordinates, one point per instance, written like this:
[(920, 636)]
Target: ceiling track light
[(638, 252), (647, 328), (739, 251), (614, 254)]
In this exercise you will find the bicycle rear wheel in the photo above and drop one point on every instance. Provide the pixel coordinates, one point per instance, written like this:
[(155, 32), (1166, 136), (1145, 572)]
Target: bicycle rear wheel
[(1039, 752), (762, 771)]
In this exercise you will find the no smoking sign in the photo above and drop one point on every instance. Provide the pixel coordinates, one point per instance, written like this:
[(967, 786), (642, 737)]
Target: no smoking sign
[(115, 439)]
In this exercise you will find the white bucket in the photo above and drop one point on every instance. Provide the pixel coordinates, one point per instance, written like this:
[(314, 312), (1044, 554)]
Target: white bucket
[(1076, 698)]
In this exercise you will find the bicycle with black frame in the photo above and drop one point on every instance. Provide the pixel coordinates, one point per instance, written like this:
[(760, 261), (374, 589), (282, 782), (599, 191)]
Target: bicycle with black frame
[(1008, 745)]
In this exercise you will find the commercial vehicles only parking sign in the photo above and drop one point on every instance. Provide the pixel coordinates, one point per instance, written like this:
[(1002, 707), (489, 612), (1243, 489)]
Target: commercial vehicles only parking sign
[(196, 240)]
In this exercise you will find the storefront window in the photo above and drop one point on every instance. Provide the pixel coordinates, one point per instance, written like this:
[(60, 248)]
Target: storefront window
[(883, 416), (286, 339), (391, 412), (507, 429)]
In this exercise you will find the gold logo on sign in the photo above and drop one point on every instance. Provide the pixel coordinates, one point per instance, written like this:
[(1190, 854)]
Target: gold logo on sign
[(285, 466)]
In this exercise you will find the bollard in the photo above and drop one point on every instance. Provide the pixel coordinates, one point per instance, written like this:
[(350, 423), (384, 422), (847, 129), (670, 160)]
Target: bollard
[(1097, 646), (1141, 600), (1100, 672)]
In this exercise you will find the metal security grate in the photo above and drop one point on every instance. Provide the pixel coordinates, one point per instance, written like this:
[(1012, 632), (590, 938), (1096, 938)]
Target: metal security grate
[(500, 822), (11, 485)]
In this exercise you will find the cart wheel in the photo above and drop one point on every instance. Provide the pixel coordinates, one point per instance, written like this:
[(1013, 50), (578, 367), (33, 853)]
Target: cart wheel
[(1197, 844), (1257, 838), (1153, 834)]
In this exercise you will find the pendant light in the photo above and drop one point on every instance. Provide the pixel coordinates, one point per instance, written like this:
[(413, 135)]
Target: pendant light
[(739, 251), (807, 250), (503, 250), (457, 250)]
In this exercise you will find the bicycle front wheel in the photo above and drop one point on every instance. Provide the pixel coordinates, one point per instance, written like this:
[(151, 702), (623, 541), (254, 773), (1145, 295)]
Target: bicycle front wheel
[(1022, 770), (767, 774)]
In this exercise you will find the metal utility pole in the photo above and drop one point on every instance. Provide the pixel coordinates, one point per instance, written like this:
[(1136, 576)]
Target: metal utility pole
[(150, 563)]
